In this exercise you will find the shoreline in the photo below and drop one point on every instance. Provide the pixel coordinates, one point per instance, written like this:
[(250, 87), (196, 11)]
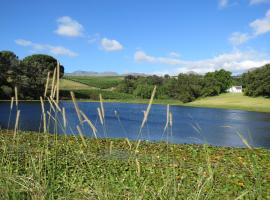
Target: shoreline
[(165, 102)]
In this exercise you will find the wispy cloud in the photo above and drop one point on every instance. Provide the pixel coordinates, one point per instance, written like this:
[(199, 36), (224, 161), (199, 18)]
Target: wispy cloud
[(238, 38), (255, 2), (69, 27), (223, 3), (56, 50), (111, 45), (236, 61), (258, 27)]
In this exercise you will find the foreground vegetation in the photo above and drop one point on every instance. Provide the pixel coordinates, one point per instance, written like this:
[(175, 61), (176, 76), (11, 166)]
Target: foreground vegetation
[(44, 166)]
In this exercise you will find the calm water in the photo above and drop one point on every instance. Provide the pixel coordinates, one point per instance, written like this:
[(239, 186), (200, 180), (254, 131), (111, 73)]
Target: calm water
[(190, 125)]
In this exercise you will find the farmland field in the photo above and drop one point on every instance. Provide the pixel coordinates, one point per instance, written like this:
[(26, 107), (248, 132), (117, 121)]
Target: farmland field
[(105, 82)]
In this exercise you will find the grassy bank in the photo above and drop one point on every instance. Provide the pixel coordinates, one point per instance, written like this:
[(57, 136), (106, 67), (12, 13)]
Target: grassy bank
[(234, 101), (41, 166)]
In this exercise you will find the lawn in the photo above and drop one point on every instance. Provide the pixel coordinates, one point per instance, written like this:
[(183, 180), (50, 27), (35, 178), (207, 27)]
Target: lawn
[(105, 82), (234, 101), (66, 84), (45, 166)]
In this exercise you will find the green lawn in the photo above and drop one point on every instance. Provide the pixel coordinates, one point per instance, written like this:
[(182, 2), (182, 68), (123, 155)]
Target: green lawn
[(41, 166), (234, 101), (72, 85), (105, 82)]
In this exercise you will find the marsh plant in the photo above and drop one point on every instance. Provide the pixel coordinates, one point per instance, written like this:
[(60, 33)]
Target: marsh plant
[(59, 166)]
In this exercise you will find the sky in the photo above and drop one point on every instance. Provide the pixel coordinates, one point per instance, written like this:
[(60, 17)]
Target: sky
[(143, 36)]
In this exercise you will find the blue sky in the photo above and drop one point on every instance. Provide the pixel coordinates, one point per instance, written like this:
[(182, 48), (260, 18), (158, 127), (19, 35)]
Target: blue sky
[(153, 36)]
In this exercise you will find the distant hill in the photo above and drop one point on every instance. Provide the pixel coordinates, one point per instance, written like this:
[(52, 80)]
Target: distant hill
[(92, 73)]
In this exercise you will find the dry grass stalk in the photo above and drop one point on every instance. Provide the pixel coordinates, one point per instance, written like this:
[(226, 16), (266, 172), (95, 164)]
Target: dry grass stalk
[(89, 123), (137, 147), (111, 146), (128, 142), (48, 113), (81, 135), (44, 115), (53, 81), (47, 84), (100, 116), (16, 95), (56, 105), (11, 103), (58, 82), (54, 91), (64, 117), (138, 167), (101, 106), (171, 119), (51, 104), (243, 140), (16, 123), (76, 106), (148, 107), (167, 117)]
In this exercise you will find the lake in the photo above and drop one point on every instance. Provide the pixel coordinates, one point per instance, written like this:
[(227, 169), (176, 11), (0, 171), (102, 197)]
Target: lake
[(217, 127)]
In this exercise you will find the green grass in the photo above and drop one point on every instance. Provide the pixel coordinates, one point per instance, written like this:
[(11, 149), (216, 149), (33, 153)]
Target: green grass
[(234, 101), (41, 166), (66, 84), (93, 94), (105, 82)]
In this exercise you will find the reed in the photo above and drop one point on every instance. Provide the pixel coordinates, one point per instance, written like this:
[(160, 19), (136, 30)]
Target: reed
[(94, 130), (58, 83), (47, 84), (53, 81), (64, 118), (16, 96), (148, 108), (167, 117), (16, 123), (100, 115), (101, 106), (81, 135), (44, 115), (76, 106)]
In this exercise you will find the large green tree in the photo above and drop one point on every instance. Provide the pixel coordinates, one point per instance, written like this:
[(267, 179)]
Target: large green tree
[(9, 71), (36, 68), (257, 82)]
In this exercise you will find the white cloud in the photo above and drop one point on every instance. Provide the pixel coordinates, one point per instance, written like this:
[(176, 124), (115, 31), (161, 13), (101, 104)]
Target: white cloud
[(56, 50), (238, 38), (258, 26), (140, 56), (111, 45), (254, 2), (174, 54), (236, 61), (69, 27), (261, 26), (22, 42), (223, 3)]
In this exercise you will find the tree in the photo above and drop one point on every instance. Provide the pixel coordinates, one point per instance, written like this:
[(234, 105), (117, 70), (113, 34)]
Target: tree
[(9, 66), (257, 82), (190, 87), (36, 68)]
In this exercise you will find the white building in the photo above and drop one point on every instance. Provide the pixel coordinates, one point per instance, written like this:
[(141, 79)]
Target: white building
[(235, 89)]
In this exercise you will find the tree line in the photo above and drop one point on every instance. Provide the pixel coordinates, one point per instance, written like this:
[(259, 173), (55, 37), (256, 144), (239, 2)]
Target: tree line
[(184, 87), (29, 75)]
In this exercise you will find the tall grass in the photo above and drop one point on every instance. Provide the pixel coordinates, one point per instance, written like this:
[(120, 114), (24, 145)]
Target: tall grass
[(51, 166)]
